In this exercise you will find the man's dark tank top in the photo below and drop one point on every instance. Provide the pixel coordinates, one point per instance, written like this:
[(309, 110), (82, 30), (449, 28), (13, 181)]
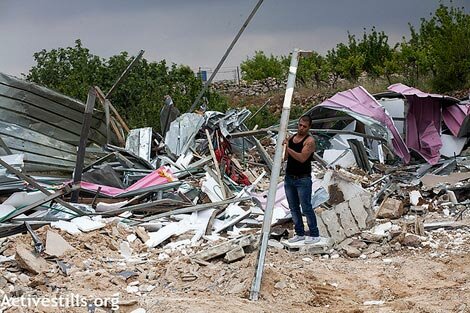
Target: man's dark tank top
[(295, 167)]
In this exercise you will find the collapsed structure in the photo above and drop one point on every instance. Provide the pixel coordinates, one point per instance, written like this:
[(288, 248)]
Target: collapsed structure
[(199, 188)]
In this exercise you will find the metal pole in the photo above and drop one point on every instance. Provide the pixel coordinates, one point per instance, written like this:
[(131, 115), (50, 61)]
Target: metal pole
[(125, 73), (268, 212), (208, 82)]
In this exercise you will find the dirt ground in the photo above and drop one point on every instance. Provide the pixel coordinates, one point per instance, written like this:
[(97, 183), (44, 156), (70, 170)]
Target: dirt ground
[(431, 278), (409, 280)]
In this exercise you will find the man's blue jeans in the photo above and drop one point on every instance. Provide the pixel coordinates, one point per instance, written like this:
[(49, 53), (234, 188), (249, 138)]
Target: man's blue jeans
[(299, 193)]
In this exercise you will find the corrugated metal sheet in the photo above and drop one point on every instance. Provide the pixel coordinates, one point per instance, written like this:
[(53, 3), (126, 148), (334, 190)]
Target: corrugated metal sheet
[(44, 125)]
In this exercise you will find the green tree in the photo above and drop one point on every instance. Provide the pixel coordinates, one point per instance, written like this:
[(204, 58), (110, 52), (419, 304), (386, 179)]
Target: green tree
[(70, 70), (445, 40), (345, 61), (376, 51), (261, 67), (413, 63), (139, 98), (313, 69)]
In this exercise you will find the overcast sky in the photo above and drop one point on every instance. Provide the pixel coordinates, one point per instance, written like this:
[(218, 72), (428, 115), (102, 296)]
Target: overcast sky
[(196, 32)]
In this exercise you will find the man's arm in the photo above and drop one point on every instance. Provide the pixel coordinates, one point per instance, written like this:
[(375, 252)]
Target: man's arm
[(308, 148)]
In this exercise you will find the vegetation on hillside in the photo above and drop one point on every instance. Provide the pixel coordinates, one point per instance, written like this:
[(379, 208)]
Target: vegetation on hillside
[(436, 57)]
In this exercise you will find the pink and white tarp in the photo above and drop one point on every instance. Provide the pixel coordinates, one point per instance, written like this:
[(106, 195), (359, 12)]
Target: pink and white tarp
[(423, 121), (361, 102), (158, 177)]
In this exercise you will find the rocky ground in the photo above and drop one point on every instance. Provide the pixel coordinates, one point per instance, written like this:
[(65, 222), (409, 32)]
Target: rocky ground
[(433, 277)]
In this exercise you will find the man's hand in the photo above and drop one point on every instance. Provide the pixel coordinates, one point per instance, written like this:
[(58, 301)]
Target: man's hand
[(286, 141)]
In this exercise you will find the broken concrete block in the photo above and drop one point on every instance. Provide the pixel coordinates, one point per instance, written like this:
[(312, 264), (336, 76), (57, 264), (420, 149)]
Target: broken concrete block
[(352, 251), (28, 261), (234, 255), (357, 243), (125, 250), (87, 224), (411, 240), (416, 198), (69, 227), (390, 208), (336, 195), (371, 237), (321, 226), (358, 211), (280, 284), (330, 219), (361, 210), (56, 245), (323, 246), (382, 229), (275, 244), (223, 248), (347, 220), (142, 234)]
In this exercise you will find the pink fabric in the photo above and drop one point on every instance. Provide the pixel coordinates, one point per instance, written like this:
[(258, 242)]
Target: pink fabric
[(157, 177), (358, 100), (454, 116), (423, 124), (423, 121)]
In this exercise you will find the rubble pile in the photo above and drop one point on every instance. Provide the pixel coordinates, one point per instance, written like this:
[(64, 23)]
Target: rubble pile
[(183, 210)]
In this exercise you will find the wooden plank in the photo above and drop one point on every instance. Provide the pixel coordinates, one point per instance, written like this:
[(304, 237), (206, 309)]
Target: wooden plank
[(102, 99), (216, 164)]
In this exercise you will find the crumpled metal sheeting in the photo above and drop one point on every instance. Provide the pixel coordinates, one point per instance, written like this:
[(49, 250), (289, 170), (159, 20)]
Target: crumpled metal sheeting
[(8, 181), (182, 132), (139, 141), (232, 120)]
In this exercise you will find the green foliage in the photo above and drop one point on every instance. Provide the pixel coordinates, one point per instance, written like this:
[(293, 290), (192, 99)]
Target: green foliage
[(346, 61), (376, 51), (445, 41), (68, 70), (411, 60), (264, 118), (313, 69), (261, 67), (139, 98)]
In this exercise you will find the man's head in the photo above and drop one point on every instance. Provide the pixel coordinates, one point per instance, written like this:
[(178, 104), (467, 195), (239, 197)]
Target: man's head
[(303, 127)]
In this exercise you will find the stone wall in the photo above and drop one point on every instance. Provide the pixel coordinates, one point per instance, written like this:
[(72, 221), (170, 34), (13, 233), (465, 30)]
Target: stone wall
[(245, 89)]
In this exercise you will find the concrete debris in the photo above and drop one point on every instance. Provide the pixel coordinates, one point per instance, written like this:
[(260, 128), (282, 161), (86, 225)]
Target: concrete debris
[(56, 245), (195, 195), (30, 262), (390, 208)]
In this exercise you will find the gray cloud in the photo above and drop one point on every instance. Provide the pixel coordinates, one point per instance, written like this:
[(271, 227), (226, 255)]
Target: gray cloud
[(195, 33)]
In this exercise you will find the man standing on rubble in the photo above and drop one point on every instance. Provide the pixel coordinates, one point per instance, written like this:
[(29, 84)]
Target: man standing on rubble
[(298, 181)]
